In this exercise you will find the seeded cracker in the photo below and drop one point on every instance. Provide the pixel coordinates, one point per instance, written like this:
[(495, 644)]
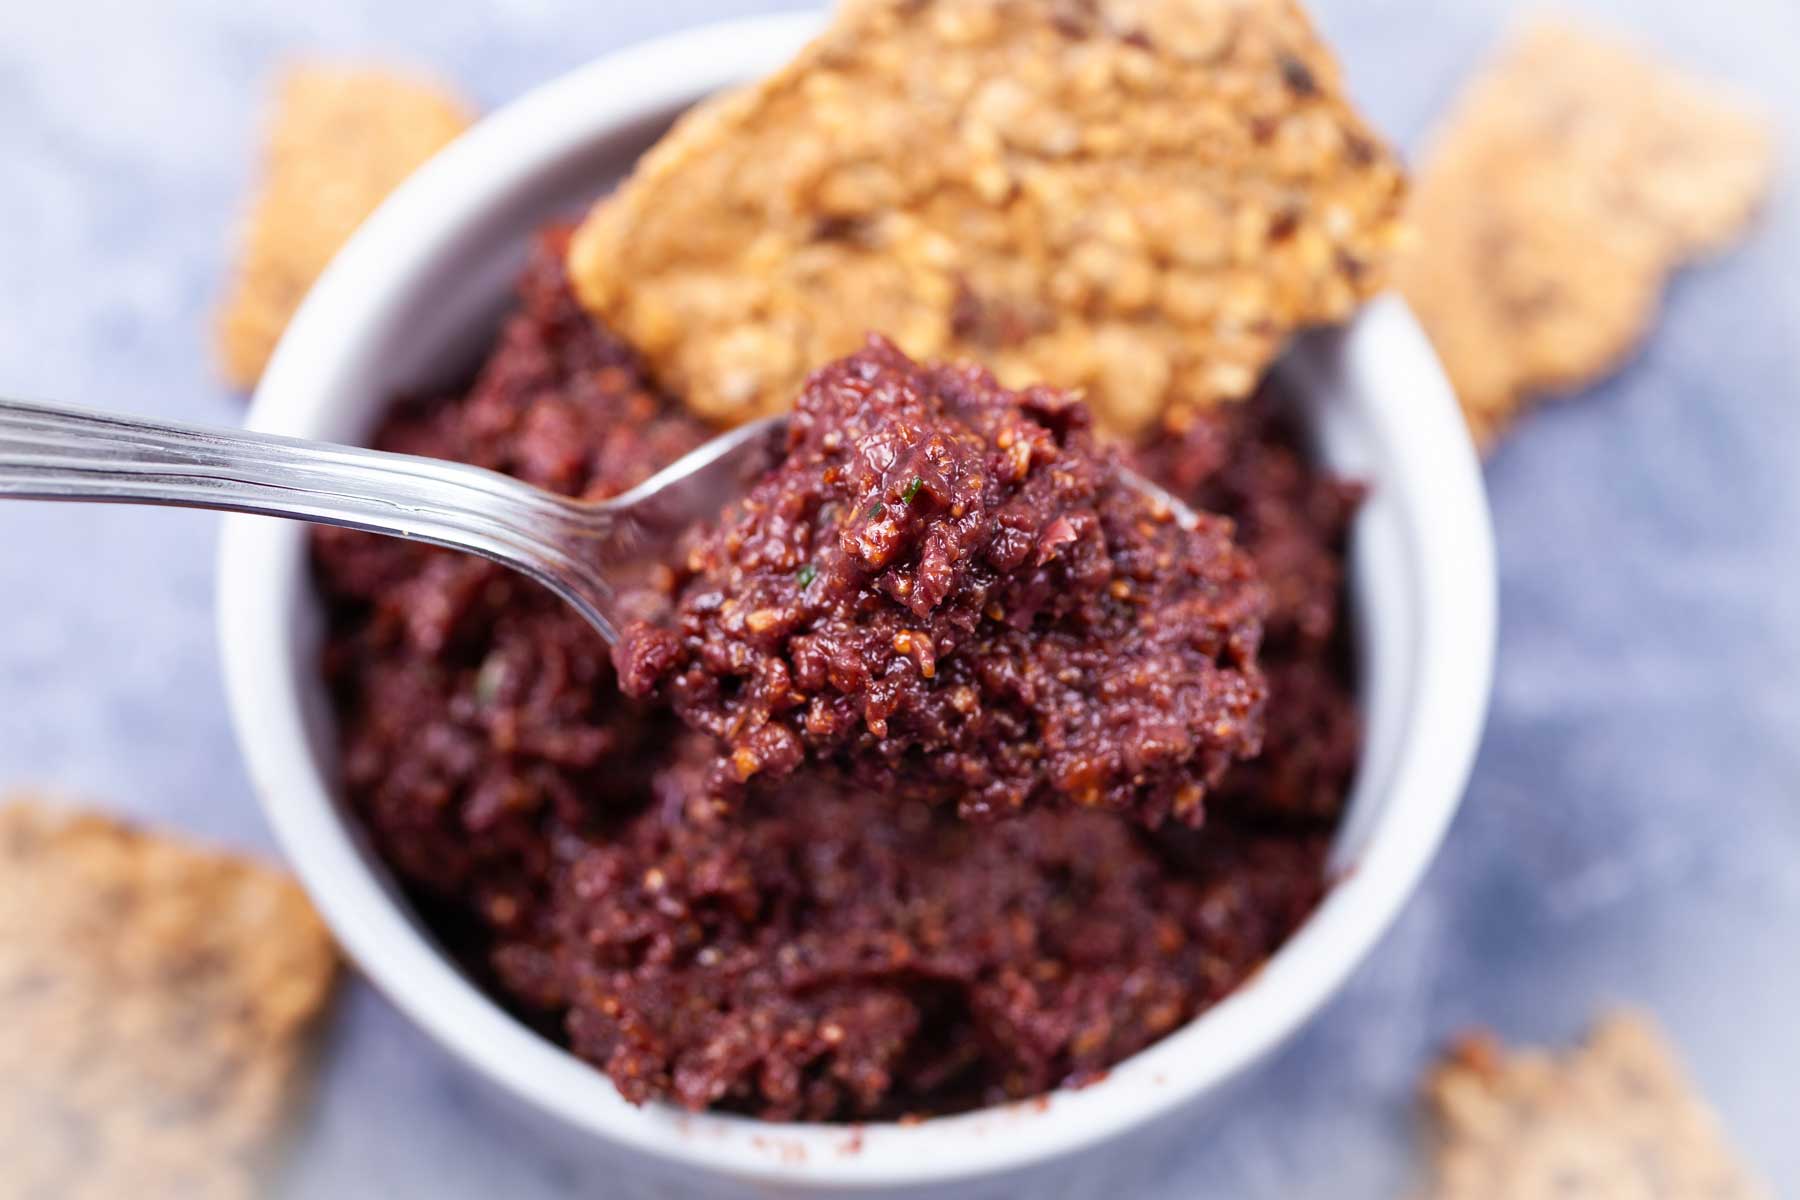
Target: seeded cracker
[(1139, 197), (1565, 186), (1615, 1119), (154, 999), (340, 140)]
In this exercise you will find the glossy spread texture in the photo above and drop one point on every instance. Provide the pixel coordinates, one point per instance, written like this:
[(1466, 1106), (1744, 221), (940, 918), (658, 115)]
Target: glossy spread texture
[(949, 591), (817, 952)]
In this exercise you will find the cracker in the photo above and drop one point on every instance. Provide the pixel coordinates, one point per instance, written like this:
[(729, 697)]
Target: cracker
[(340, 139), (1572, 177), (154, 999), (1615, 1119), (1137, 197)]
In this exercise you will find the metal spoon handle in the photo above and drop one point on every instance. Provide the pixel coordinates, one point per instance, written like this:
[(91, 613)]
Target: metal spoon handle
[(54, 453)]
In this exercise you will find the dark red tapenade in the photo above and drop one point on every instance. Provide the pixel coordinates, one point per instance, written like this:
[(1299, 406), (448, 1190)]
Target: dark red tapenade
[(949, 590), (818, 952)]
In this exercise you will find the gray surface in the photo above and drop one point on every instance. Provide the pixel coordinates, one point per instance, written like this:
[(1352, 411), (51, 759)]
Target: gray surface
[(1633, 829)]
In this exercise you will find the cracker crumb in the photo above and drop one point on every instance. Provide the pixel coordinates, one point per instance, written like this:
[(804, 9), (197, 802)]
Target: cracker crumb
[(1615, 1119), (1564, 187), (154, 1002), (1139, 198), (339, 140)]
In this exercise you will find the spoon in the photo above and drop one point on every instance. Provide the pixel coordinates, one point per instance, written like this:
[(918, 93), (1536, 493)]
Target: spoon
[(582, 550)]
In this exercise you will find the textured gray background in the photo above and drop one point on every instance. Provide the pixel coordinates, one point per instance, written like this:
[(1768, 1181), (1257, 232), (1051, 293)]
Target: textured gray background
[(1633, 828)]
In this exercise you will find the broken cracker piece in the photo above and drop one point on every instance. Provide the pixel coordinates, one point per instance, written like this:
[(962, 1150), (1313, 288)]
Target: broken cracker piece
[(154, 1004), (340, 140), (1615, 1119), (1141, 198), (1565, 185)]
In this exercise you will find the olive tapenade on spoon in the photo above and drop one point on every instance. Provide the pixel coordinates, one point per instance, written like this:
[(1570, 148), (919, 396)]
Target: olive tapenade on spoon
[(949, 589)]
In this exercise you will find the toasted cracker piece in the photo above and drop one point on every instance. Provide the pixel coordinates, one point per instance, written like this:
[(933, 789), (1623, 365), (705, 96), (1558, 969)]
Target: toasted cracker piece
[(1615, 1119), (1568, 182), (1138, 197), (154, 999), (340, 140)]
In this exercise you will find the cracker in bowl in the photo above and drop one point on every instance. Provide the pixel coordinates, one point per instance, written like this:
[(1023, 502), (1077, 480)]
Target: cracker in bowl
[(1141, 198)]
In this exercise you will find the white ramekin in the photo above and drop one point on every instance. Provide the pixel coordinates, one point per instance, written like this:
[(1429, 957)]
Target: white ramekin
[(408, 303)]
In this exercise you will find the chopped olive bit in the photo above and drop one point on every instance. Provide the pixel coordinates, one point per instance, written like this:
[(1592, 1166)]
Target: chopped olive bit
[(489, 679)]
